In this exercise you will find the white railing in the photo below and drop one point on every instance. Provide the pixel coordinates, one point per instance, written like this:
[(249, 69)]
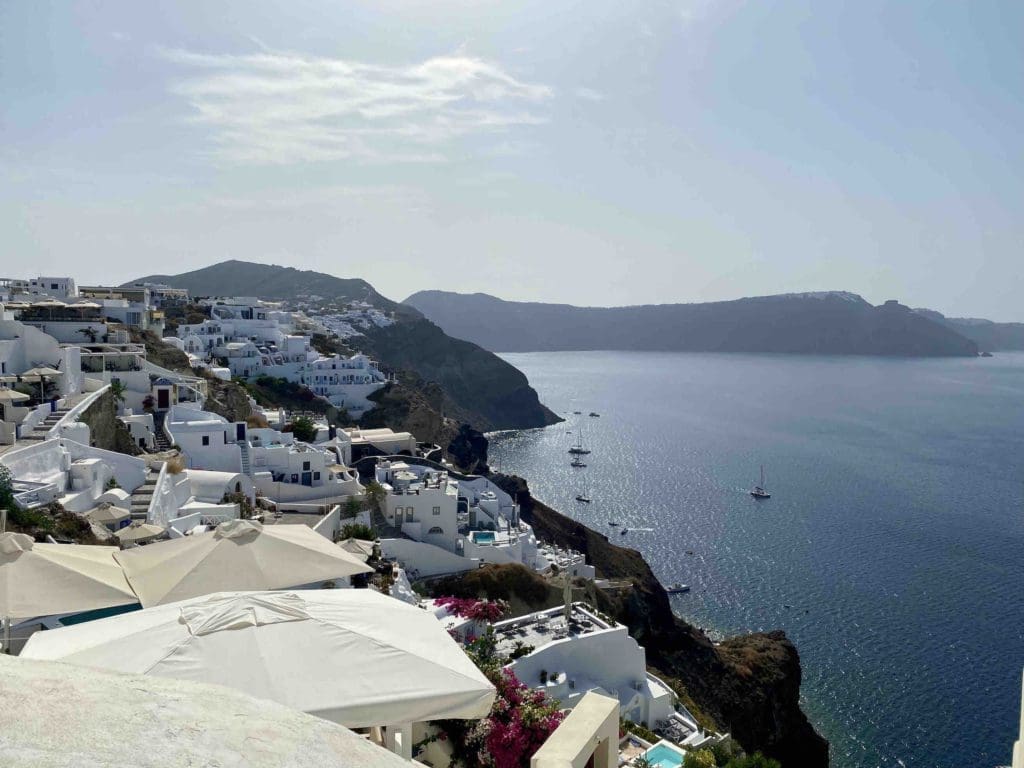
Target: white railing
[(81, 407), (153, 512)]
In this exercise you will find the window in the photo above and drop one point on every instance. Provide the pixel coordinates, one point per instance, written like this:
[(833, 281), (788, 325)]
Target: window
[(316, 475), (305, 466), (53, 286), (435, 530), (206, 439), (437, 510)]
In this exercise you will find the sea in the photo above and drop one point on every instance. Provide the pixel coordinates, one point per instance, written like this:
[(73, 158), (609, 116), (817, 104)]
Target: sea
[(891, 550)]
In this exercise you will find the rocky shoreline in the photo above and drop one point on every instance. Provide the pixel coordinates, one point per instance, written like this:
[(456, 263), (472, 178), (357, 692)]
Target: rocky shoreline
[(748, 685)]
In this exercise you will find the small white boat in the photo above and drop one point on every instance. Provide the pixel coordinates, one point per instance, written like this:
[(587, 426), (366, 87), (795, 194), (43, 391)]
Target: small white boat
[(612, 522), (624, 531), (577, 462), (583, 498), (759, 491), (678, 589)]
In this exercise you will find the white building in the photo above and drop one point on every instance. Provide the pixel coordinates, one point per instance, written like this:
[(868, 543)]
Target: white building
[(347, 382), (445, 513), (569, 657), (16, 289), (290, 473), (72, 473), (423, 505), (252, 338)]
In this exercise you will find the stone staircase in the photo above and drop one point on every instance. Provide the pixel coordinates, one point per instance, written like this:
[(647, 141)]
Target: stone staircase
[(143, 495), (160, 436), (243, 446), (383, 528), (39, 432)]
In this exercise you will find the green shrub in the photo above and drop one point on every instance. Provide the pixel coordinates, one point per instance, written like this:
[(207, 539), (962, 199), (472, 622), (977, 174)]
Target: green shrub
[(756, 760), (357, 531), (304, 429), (702, 758)]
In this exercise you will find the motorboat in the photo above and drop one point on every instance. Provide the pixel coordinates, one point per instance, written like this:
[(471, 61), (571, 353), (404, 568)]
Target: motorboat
[(583, 498), (594, 415), (624, 531), (577, 462), (678, 589), (612, 522)]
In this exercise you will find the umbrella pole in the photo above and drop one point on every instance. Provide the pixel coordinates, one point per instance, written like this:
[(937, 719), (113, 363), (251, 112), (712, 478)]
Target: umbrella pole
[(5, 642)]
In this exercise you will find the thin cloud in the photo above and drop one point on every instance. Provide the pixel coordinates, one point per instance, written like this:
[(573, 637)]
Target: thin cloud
[(283, 108), (589, 94)]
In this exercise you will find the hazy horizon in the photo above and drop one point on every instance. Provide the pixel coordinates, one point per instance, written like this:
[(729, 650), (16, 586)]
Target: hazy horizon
[(594, 155)]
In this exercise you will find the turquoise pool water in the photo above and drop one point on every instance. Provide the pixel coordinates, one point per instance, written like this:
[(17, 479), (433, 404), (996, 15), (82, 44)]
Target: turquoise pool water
[(662, 756), (483, 537)]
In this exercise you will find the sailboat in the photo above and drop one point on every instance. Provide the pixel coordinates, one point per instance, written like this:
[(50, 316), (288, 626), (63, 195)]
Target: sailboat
[(577, 462), (578, 449), (584, 497), (758, 491)]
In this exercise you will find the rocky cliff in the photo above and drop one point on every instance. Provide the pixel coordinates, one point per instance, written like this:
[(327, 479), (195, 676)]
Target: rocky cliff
[(747, 685), (481, 388), (831, 323), (988, 335)]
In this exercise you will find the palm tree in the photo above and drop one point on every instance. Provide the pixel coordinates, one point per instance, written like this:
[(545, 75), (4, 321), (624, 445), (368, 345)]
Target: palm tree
[(375, 495), (117, 389)]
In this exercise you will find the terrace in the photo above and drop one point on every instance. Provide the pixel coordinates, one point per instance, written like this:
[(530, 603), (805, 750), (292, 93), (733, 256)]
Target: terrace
[(539, 629)]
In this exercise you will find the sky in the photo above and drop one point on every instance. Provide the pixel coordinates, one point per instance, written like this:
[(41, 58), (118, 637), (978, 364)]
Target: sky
[(591, 152)]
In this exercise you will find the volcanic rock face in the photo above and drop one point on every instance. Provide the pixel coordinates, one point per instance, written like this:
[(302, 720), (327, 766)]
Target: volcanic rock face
[(747, 685), (826, 323)]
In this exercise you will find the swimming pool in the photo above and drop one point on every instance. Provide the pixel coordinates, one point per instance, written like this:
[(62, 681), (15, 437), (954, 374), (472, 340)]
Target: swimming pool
[(483, 537), (661, 755)]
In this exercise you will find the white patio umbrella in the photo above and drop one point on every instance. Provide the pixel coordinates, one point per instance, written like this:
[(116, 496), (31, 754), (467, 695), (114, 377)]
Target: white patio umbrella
[(108, 719), (352, 656), (237, 555), (48, 579)]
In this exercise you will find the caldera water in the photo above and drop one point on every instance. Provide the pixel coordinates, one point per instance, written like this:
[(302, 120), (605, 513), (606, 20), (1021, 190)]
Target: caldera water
[(891, 550)]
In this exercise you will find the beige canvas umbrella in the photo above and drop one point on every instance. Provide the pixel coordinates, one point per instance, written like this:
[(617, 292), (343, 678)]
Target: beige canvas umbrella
[(358, 547), (352, 656), (107, 514), (42, 372), (237, 555), (48, 579), (139, 532)]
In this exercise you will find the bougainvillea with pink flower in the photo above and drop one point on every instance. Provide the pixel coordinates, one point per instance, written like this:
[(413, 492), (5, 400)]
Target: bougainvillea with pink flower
[(519, 723), (520, 720), (471, 608)]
